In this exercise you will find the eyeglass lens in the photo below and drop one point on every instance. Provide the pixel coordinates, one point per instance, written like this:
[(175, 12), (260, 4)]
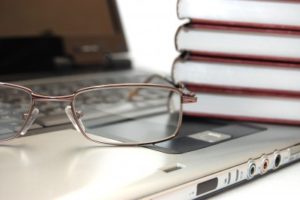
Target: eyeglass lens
[(129, 115), (14, 109)]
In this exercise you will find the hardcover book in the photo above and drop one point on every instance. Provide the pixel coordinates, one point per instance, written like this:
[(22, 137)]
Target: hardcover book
[(218, 102), (241, 58), (247, 43), (277, 14), (278, 77)]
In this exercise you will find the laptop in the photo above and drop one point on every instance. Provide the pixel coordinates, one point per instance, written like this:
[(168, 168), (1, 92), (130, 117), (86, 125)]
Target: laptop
[(53, 161)]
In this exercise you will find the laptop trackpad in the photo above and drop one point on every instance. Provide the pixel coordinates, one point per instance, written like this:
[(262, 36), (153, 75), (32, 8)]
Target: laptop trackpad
[(197, 133)]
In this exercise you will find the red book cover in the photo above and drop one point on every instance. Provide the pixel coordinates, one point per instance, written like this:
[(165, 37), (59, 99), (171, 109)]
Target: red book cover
[(232, 90), (229, 60), (243, 118)]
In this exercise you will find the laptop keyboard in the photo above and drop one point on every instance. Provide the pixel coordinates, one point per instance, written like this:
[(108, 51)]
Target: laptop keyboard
[(53, 113)]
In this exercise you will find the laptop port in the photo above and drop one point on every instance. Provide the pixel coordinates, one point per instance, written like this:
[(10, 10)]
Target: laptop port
[(251, 169), (277, 160), (264, 165)]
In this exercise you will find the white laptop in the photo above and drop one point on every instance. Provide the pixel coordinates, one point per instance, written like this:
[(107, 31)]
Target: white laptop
[(53, 161)]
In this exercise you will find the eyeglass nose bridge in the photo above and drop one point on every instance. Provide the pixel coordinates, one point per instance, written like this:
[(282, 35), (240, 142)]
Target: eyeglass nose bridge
[(68, 109), (65, 98)]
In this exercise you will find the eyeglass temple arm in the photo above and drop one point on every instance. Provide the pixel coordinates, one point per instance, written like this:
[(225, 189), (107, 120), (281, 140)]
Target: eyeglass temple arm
[(150, 79), (187, 96)]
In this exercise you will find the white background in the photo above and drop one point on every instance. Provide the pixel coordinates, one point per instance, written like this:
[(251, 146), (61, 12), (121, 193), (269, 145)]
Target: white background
[(150, 27)]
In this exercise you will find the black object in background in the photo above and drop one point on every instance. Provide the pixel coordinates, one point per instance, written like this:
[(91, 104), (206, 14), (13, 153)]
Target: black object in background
[(29, 54)]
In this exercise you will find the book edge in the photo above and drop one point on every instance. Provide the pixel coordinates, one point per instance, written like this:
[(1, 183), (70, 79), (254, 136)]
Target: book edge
[(242, 91), (243, 118)]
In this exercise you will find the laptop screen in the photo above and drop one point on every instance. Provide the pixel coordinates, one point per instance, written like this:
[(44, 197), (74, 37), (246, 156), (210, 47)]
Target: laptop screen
[(53, 34)]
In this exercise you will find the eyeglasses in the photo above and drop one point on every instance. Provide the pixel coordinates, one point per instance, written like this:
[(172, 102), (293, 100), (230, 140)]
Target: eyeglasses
[(114, 114)]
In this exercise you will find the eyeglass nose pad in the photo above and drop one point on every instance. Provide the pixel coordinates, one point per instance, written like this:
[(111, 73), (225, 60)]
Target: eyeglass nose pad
[(69, 113), (30, 121)]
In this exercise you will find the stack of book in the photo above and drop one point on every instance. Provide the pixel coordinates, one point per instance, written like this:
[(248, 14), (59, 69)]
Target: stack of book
[(241, 58)]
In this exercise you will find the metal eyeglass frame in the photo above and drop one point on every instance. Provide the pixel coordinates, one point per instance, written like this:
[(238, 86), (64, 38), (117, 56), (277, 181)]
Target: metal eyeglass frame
[(74, 116)]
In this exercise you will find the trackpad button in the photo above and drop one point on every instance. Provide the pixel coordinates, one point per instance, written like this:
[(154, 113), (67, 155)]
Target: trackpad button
[(210, 136)]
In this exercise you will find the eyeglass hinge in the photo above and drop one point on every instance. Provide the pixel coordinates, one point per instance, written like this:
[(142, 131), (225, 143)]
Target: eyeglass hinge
[(189, 98)]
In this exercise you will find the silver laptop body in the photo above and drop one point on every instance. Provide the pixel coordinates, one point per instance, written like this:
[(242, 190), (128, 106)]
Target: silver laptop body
[(64, 165)]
